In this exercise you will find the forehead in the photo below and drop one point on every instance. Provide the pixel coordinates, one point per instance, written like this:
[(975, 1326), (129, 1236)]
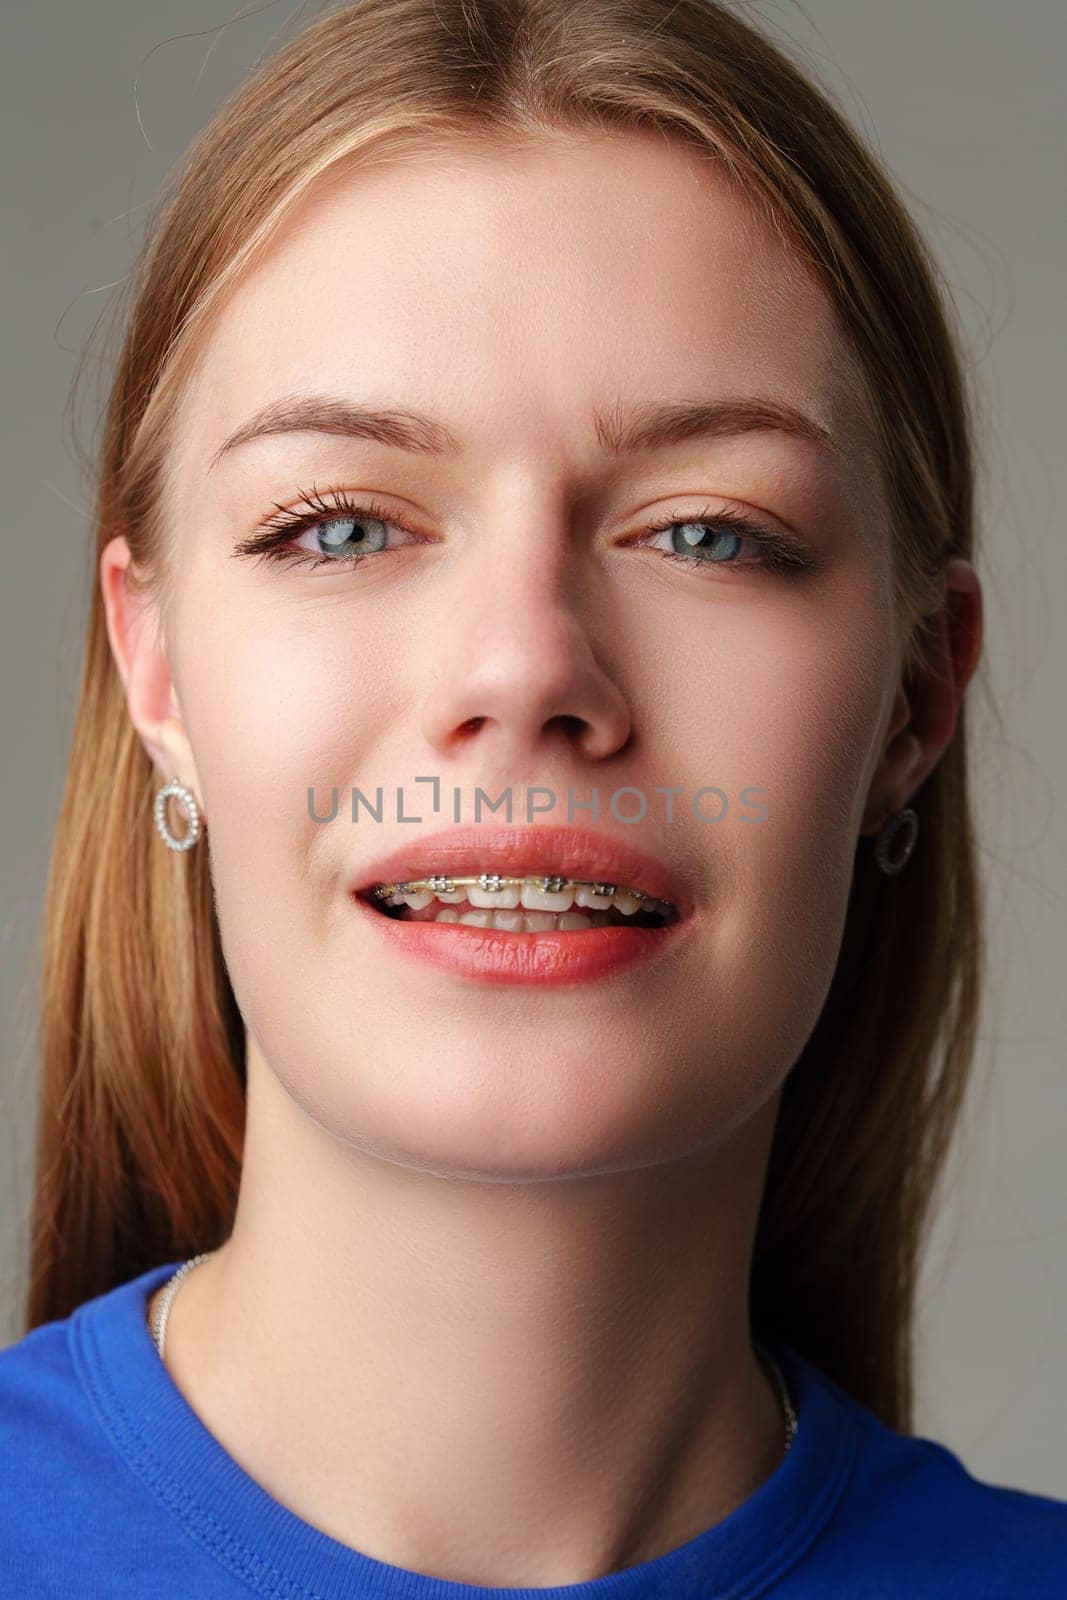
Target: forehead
[(512, 290)]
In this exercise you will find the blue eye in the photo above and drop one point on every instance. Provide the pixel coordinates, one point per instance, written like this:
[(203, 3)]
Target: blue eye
[(719, 534), (696, 536), (343, 536), (345, 532)]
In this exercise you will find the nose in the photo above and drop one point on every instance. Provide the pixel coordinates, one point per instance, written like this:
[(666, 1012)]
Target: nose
[(517, 668)]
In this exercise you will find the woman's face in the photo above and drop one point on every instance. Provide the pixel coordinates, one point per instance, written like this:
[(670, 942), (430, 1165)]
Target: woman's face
[(529, 630)]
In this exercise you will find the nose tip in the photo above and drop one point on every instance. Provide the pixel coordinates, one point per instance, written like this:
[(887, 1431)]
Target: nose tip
[(524, 687)]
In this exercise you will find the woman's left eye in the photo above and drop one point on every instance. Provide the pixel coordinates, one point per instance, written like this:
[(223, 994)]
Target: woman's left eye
[(715, 538)]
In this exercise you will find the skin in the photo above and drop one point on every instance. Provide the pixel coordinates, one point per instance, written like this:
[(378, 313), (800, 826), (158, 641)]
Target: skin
[(488, 1239)]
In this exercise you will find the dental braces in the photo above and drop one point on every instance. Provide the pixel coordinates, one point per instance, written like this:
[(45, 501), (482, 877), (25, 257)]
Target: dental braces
[(552, 884)]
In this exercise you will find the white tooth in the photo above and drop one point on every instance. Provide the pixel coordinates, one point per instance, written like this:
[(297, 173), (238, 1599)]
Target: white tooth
[(539, 922), (626, 903), (530, 897), (493, 899), (594, 902), (535, 899), (525, 922), (420, 898)]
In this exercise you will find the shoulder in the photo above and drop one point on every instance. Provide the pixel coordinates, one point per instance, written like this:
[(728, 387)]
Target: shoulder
[(941, 1530), (49, 1433), (70, 1486), (912, 1519), (38, 1383), (55, 1460)]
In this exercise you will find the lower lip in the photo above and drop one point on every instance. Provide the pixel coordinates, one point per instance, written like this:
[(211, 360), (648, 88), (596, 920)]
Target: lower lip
[(542, 960)]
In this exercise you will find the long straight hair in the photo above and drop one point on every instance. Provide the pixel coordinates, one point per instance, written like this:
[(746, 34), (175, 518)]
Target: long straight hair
[(142, 1088)]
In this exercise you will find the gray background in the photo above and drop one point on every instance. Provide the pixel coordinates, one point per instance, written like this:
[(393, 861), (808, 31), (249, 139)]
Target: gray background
[(965, 101)]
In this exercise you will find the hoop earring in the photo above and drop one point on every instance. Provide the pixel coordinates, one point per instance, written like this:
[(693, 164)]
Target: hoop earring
[(907, 819), (185, 798)]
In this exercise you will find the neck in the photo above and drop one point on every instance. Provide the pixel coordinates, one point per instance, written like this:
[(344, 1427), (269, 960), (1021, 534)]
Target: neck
[(435, 1371)]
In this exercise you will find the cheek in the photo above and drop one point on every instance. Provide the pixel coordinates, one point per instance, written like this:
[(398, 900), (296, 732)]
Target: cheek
[(280, 694), (787, 697), (263, 710), (279, 699), (796, 713)]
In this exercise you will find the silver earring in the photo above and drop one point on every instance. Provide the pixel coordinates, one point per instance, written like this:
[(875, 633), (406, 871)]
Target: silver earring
[(185, 798), (907, 820)]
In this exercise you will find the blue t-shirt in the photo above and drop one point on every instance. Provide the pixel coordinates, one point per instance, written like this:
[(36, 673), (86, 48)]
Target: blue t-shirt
[(110, 1485)]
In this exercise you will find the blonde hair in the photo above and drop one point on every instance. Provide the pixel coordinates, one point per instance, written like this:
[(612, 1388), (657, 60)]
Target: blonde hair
[(141, 1109)]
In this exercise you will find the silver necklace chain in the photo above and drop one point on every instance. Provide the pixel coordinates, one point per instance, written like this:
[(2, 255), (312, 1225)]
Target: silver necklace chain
[(166, 1300)]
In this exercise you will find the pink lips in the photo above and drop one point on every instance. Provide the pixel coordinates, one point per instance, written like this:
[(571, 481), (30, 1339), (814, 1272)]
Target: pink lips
[(487, 955), (546, 959)]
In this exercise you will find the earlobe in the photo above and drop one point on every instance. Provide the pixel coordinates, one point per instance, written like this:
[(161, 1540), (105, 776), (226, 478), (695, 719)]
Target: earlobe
[(926, 709), (899, 774), (893, 782)]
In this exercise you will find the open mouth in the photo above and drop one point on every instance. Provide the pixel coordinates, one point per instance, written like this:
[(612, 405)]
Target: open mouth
[(521, 905)]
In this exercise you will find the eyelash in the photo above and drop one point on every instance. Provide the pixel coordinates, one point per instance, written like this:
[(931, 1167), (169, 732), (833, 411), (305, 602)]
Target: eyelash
[(783, 553)]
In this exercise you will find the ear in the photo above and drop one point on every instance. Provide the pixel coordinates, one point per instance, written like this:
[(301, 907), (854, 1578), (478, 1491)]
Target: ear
[(927, 704), (134, 627)]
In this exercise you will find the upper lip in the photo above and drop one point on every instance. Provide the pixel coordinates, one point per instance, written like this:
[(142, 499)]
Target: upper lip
[(523, 851)]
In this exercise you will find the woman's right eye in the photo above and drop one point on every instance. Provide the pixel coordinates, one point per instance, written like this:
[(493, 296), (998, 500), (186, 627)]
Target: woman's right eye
[(339, 533)]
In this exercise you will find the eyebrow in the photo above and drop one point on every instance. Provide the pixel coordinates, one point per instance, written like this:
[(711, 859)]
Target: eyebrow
[(650, 426)]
